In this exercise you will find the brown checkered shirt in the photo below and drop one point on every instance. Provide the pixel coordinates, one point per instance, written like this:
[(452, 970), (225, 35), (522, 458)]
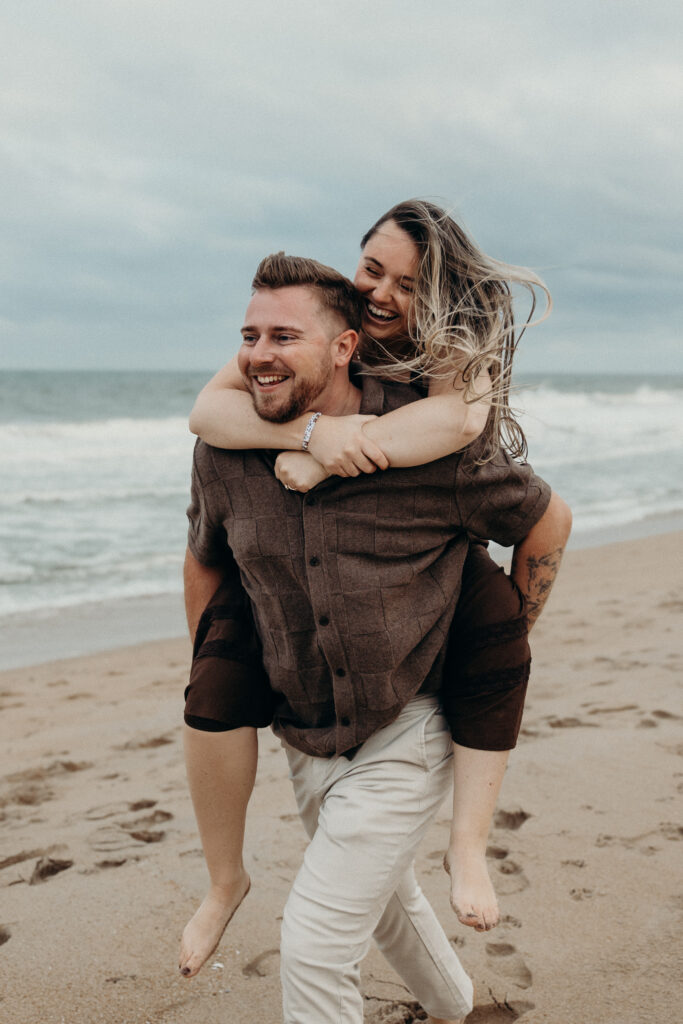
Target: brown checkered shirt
[(353, 586)]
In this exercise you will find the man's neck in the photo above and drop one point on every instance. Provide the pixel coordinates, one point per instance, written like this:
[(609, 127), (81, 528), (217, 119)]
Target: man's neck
[(343, 400)]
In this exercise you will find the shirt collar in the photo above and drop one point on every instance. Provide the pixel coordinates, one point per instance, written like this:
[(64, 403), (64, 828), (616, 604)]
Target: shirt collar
[(372, 392)]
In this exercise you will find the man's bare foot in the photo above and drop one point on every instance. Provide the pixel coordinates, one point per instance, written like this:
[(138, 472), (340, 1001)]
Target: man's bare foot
[(472, 895), (205, 929)]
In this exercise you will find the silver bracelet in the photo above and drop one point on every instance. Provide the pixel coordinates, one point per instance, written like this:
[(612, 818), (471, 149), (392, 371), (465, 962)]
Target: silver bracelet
[(309, 430)]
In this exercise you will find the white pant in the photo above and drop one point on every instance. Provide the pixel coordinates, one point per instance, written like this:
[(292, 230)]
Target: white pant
[(366, 818)]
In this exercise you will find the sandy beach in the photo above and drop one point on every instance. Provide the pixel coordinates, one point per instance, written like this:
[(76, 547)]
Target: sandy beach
[(100, 863)]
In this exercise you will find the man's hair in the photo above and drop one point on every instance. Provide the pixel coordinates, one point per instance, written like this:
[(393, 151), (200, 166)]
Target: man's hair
[(335, 292)]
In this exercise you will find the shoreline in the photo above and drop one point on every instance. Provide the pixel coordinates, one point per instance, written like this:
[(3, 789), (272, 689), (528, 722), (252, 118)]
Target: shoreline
[(48, 634)]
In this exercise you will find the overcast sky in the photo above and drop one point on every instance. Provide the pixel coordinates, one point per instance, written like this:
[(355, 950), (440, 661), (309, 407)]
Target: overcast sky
[(152, 152)]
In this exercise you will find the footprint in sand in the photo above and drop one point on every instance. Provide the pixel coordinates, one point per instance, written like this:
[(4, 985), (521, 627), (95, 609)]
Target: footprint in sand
[(5, 934), (48, 867), (496, 852), (150, 744), (19, 858), (111, 838), (121, 807), (38, 774), (499, 1013), (505, 960), (514, 879), (511, 820), (569, 723), (514, 922), (614, 711), (155, 818), (389, 1011), (124, 834), (666, 830), (30, 794), (392, 1011), (262, 965), (30, 786)]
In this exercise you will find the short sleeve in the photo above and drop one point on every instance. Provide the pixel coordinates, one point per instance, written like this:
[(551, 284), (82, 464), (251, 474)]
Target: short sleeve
[(206, 537), (500, 500)]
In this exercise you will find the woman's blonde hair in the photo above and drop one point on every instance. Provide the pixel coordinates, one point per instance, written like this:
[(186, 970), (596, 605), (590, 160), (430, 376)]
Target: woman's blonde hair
[(461, 318)]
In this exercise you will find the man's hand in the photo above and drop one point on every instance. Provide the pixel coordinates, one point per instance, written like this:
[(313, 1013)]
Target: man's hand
[(341, 447), (299, 471), (536, 560)]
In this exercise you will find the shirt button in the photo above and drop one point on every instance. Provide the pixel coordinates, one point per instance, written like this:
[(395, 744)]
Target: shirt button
[(314, 561), (341, 672), (323, 620), (345, 721)]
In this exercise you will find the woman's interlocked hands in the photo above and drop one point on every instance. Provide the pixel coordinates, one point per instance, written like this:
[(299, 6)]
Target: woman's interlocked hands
[(341, 447), (338, 447)]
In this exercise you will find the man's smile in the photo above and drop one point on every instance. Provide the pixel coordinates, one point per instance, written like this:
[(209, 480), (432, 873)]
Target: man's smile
[(268, 381)]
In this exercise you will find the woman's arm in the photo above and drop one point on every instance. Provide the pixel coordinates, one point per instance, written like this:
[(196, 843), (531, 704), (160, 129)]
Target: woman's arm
[(443, 423), (412, 435)]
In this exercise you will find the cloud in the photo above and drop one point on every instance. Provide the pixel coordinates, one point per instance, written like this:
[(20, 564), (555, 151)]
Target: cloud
[(153, 152)]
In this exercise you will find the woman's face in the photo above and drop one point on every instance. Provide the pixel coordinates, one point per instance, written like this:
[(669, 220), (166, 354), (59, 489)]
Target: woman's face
[(385, 278)]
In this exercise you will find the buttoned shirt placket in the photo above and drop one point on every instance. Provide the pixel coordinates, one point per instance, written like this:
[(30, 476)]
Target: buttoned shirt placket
[(323, 604)]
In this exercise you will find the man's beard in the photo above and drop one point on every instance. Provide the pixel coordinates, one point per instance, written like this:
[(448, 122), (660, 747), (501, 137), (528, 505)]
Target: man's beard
[(303, 393)]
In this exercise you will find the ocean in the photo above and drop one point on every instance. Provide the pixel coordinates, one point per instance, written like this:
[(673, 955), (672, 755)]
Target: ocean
[(95, 470)]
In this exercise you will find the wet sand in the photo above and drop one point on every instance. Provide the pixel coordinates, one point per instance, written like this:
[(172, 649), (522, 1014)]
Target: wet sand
[(100, 864)]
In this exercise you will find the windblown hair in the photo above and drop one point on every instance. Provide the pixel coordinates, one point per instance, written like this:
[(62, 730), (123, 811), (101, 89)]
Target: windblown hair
[(335, 292), (461, 317)]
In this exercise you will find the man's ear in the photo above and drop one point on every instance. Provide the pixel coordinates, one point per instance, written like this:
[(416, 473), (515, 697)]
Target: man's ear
[(344, 345)]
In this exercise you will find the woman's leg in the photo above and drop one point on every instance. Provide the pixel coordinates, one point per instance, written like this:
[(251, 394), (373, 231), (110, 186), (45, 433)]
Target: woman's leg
[(221, 768), (485, 679), (477, 778)]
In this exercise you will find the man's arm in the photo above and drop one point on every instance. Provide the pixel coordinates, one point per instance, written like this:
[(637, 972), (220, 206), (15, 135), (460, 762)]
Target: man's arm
[(536, 559), (201, 583)]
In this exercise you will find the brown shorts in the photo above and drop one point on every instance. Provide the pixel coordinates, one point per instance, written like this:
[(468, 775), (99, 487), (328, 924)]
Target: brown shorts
[(485, 675), (228, 686), (488, 658)]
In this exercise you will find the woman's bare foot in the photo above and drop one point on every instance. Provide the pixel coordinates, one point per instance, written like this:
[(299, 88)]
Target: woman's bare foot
[(472, 895), (205, 929)]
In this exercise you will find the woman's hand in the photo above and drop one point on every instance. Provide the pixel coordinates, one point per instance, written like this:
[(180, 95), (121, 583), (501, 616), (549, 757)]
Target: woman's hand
[(299, 471), (342, 449)]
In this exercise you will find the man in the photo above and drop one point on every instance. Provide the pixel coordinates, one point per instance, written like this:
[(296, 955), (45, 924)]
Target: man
[(352, 588)]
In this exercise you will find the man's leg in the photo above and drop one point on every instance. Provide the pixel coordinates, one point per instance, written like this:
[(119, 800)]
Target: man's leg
[(368, 817), (221, 768), (412, 940)]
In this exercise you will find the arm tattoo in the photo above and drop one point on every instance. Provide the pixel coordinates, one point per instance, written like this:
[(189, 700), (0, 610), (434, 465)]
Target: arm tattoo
[(540, 575)]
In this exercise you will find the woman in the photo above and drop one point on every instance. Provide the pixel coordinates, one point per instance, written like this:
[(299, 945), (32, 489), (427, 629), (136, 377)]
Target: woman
[(439, 312)]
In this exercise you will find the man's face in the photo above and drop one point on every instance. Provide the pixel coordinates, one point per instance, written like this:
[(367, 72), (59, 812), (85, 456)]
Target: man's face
[(286, 355)]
